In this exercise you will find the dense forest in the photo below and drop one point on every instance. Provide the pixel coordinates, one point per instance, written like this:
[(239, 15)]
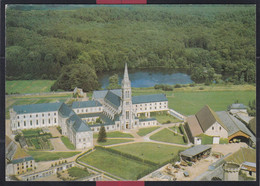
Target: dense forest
[(210, 42)]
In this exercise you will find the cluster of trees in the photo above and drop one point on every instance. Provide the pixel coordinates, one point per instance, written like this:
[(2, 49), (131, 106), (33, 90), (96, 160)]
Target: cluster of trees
[(163, 87), (113, 82), (203, 40)]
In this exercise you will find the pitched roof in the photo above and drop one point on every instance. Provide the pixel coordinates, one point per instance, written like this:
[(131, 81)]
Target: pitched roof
[(252, 125), (100, 94), (194, 126), (237, 106), (113, 99), (207, 117), (34, 108), (84, 104), (195, 150), (234, 125), (7, 141), (21, 160), (147, 119), (77, 124), (242, 155), (90, 115), (66, 111), (149, 98)]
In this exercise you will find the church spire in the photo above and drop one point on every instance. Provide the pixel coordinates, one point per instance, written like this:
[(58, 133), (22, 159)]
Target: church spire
[(126, 73)]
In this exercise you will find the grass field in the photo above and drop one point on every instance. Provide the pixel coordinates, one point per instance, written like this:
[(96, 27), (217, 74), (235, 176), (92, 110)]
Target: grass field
[(67, 143), (189, 100), (175, 128), (165, 118), (145, 131), (115, 134), (48, 156), (166, 135), (28, 86), (115, 164), (77, 172), (114, 141), (157, 153)]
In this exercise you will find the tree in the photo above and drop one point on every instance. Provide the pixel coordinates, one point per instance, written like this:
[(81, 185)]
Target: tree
[(102, 135), (17, 137), (77, 75), (113, 82)]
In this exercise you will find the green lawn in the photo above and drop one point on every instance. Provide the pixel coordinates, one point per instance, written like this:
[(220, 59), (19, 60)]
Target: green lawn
[(189, 103), (115, 164), (28, 86), (166, 135), (48, 156), (145, 131), (115, 134), (114, 141), (31, 132), (154, 152), (166, 118), (77, 172), (175, 128), (67, 143)]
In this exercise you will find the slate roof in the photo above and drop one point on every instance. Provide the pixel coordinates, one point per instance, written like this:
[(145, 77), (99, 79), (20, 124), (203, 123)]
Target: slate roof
[(20, 153), (90, 115), (100, 94), (147, 119), (77, 124), (194, 126), (7, 141), (149, 98), (66, 111), (195, 150), (84, 104), (237, 106), (252, 125), (21, 160), (234, 125), (113, 99), (34, 108), (207, 117)]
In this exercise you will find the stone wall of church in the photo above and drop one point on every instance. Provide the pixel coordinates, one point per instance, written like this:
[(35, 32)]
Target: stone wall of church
[(84, 140)]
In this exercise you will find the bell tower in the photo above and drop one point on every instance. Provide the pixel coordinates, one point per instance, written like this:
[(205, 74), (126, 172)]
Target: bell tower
[(127, 113)]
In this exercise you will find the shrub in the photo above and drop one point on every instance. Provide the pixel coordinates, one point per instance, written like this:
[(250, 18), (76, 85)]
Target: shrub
[(201, 88), (192, 85), (185, 139), (177, 86)]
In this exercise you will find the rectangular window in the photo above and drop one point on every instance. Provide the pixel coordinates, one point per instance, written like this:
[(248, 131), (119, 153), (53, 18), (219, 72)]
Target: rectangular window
[(37, 122), (49, 121), (43, 121), (127, 114), (55, 121), (79, 140), (18, 124), (49, 114), (42, 114), (30, 116), (24, 116), (24, 123), (54, 113), (31, 122), (17, 117), (36, 115)]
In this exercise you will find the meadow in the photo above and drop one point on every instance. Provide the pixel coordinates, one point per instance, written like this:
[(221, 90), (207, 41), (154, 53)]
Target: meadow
[(168, 136), (115, 164), (157, 153)]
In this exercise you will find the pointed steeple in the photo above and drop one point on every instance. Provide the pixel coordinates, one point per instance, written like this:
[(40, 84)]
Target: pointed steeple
[(126, 73)]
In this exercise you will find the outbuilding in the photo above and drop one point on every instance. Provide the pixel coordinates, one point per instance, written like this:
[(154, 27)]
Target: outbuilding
[(196, 153)]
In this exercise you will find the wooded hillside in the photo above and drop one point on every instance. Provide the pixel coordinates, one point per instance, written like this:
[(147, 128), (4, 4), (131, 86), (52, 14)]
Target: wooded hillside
[(210, 42)]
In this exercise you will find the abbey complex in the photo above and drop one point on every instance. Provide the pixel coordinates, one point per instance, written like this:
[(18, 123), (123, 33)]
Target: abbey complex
[(115, 109)]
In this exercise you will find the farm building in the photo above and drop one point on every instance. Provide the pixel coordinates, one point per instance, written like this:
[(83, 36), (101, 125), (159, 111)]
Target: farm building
[(195, 153), (217, 125)]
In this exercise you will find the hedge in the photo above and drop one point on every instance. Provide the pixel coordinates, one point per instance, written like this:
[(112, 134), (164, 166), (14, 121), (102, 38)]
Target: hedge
[(127, 155)]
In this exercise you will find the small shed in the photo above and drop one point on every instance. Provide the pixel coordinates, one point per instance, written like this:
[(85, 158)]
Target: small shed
[(195, 153)]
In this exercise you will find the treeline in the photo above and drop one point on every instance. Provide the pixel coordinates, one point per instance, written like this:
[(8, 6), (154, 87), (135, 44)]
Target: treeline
[(212, 43)]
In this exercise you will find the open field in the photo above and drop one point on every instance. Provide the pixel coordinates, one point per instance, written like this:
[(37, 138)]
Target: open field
[(189, 100), (157, 153), (67, 143), (166, 135), (145, 131), (114, 141), (28, 86), (48, 156), (165, 118), (115, 134), (115, 164)]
